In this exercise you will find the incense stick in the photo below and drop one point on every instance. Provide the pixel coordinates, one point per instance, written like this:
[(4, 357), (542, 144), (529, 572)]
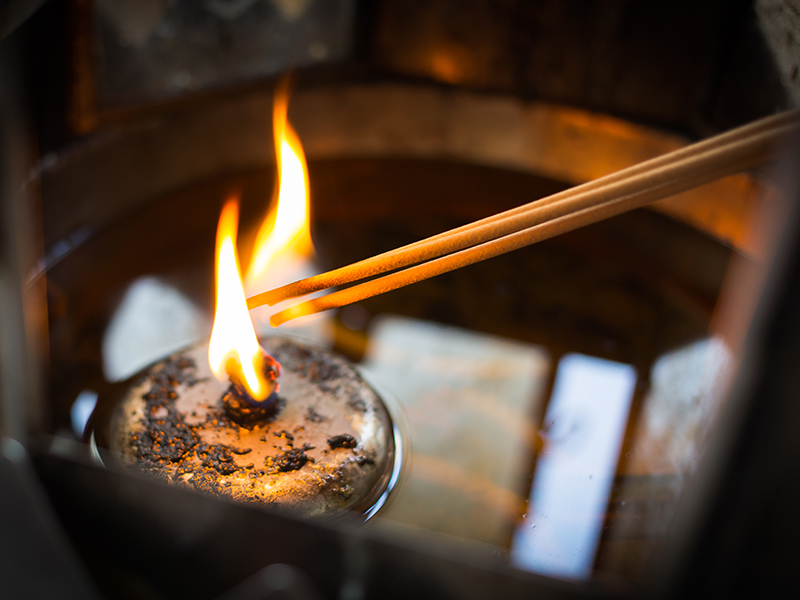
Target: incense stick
[(588, 203), (433, 247)]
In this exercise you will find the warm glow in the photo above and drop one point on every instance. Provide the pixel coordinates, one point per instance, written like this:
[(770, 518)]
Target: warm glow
[(286, 228), (233, 349)]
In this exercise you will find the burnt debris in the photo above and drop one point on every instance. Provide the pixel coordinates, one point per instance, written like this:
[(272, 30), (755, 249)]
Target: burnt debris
[(217, 457), (245, 414), (344, 440), (289, 460), (166, 438)]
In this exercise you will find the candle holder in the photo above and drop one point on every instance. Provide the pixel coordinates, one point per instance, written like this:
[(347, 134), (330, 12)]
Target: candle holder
[(325, 444)]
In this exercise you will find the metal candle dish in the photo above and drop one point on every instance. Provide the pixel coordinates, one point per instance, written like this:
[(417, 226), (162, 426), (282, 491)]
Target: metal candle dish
[(326, 446)]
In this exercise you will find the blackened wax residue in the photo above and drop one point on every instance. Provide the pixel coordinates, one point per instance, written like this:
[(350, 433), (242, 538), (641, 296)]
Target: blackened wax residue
[(166, 438), (289, 460), (244, 414), (345, 440), (217, 457), (313, 416), (284, 434)]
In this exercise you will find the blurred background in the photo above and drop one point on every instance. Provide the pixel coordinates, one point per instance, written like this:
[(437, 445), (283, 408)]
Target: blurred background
[(607, 413)]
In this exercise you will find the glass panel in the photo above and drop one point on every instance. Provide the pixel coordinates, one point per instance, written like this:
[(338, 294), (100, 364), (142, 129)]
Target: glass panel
[(585, 421)]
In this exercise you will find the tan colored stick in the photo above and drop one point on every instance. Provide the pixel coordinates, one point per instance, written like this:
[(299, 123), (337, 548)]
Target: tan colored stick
[(472, 255), (590, 207), (517, 218)]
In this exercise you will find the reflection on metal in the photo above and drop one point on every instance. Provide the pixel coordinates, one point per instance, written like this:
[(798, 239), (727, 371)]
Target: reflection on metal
[(467, 398), (152, 320), (585, 423), (81, 410)]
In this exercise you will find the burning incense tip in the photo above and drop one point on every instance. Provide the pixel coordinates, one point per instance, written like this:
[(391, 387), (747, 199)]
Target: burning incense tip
[(294, 312)]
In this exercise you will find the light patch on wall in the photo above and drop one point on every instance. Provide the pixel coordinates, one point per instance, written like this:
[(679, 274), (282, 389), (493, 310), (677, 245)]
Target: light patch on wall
[(153, 320)]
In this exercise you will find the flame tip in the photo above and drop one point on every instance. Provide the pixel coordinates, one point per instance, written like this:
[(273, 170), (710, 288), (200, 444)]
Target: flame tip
[(287, 226), (284, 231), (233, 345)]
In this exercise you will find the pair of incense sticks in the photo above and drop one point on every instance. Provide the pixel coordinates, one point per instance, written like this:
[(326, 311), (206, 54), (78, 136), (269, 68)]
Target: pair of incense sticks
[(672, 173)]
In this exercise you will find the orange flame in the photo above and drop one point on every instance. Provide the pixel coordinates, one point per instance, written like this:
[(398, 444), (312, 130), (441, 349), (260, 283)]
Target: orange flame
[(233, 349), (285, 229)]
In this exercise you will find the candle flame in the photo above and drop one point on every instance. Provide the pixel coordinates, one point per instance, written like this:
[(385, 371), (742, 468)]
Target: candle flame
[(286, 228), (233, 349)]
